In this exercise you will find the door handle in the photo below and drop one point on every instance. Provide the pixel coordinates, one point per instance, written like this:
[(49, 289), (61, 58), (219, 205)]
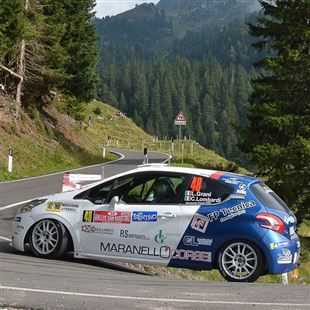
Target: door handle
[(166, 215)]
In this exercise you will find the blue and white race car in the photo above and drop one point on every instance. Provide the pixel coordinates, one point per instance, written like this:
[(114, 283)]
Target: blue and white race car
[(167, 216)]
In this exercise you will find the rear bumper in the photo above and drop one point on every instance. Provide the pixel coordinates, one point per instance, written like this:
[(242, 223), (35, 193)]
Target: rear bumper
[(282, 253)]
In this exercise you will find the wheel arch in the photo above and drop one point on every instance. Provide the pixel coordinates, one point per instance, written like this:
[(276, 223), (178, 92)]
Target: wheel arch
[(73, 242), (250, 241)]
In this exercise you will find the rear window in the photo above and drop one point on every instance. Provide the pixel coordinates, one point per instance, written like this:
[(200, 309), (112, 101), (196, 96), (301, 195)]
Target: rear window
[(268, 198), (203, 190)]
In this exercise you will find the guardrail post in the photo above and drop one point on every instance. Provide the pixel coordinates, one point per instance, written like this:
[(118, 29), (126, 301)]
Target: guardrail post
[(145, 159), (10, 160), (103, 150), (284, 278)]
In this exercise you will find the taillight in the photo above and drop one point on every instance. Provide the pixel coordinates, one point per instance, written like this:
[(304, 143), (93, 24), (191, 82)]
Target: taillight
[(271, 222)]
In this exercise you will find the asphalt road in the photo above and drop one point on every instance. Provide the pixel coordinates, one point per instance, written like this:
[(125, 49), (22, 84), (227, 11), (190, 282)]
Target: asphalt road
[(28, 282)]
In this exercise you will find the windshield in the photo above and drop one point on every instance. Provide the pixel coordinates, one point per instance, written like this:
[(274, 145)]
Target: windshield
[(268, 198)]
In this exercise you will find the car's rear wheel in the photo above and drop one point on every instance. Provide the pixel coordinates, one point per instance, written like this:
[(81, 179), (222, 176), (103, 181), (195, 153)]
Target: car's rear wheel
[(240, 261), (49, 238)]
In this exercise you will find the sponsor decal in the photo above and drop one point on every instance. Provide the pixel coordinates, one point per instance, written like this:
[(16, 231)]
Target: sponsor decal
[(18, 229), (239, 192), (115, 217), (197, 256), (71, 205), (53, 206), (195, 241), (18, 219), (127, 235), (68, 209), (289, 220), (160, 237), (285, 257), (130, 249), (234, 181), (200, 222), (88, 228), (242, 187), (278, 245), (144, 216), (194, 197), (88, 216), (292, 230), (237, 210), (162, 252)]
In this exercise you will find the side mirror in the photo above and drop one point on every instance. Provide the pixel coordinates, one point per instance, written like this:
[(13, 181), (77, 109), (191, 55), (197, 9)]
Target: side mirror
[(114, 201)]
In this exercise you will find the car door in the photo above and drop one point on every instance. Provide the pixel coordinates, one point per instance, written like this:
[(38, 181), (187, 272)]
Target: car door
[(202, 201), (139, 220)]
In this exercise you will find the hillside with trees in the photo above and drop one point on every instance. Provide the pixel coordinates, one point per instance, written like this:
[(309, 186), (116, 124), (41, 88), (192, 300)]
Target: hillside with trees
[(193, 56)]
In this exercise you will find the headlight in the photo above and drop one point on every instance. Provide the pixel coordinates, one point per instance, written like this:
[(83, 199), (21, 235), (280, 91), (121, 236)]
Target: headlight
[(30, 205)]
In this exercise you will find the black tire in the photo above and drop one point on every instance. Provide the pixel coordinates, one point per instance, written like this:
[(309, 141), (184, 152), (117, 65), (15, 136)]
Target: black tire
[(240, 261), (48, 239)]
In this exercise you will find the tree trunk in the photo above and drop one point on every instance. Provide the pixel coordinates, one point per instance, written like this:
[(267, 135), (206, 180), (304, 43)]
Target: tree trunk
[(21, 72)]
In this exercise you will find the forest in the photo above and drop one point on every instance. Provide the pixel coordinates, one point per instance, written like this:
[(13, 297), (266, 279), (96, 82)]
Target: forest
[(151, 71), (212, 97)]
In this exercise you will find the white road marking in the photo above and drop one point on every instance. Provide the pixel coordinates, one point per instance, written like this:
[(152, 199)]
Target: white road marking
[(154, 299), (69, 170), (5, 238)]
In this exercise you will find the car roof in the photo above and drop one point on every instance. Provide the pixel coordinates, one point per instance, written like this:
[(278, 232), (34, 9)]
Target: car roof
[(155, 167), (215, 174)]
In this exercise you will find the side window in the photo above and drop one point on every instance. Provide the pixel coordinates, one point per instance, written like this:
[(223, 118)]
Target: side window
[(99, 194), (152, 189), (202, 190), (165, 189)]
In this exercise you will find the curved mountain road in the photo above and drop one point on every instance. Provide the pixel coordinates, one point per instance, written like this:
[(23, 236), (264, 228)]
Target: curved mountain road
[(28, 282)]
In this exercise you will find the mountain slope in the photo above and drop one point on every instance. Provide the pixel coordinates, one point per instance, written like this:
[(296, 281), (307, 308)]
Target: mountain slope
[(188, 15)]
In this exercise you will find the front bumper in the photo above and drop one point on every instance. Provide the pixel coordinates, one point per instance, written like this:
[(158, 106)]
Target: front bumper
[(21, 226)]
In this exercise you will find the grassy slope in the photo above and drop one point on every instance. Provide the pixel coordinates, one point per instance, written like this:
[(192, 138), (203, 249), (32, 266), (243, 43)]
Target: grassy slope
[(49, 142), (53, 141)]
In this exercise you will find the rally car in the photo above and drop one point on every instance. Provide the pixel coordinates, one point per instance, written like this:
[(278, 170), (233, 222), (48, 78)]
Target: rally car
[(168, 216)]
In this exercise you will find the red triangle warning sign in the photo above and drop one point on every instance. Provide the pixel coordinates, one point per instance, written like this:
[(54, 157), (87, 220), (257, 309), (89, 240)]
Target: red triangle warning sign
[(180, 119)]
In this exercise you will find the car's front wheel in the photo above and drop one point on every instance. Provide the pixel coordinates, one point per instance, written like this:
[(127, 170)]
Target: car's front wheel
[(240, 262), (49, 239)]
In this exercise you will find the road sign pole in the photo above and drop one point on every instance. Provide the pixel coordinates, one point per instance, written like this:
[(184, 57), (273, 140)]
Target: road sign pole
[(180, 132)]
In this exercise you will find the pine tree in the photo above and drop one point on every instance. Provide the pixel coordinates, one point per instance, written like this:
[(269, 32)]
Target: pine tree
[(80, 42), (11, 29), (278, 135)]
